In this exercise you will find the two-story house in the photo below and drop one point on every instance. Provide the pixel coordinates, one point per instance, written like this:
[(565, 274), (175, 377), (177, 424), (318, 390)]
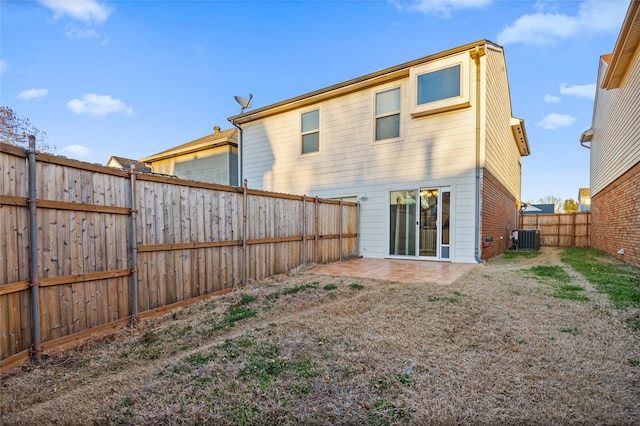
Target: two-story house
[(429, 148), (614, 139)]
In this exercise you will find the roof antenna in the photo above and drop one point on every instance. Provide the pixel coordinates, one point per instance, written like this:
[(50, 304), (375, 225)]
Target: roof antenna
[(244, 103)]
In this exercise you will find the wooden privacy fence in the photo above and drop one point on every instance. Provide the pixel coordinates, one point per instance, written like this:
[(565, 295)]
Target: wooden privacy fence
[(559, 229), (111, 246)]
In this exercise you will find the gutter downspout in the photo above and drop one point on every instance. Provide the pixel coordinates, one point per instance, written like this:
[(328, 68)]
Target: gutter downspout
[(476, 56), (240, 149)]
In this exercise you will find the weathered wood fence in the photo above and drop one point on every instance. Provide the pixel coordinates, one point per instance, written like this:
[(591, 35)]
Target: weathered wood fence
[(112, 246), (559, 229)]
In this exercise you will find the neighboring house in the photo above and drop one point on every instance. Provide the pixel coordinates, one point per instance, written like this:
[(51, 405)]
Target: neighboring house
[(125, 164), (539, 209), (213, 159), (429, 148), (614, 139), (584, 200)]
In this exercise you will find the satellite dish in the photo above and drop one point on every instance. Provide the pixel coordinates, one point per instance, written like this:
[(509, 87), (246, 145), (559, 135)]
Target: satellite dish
[(243, 102)]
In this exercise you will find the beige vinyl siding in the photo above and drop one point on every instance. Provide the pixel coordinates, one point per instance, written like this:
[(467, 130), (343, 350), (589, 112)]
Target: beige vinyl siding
[(615, 148), (501, 157), (434, 151), (217, 165)]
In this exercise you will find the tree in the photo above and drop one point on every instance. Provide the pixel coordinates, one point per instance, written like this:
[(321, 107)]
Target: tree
[(570, 206), (15, 129)]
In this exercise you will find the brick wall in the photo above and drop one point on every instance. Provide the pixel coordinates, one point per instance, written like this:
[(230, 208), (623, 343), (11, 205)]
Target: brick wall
[(499, 210), (615, 217)]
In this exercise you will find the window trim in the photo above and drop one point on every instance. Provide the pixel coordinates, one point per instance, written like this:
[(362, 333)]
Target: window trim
[(301, 133), (400, 113), (442, 105)]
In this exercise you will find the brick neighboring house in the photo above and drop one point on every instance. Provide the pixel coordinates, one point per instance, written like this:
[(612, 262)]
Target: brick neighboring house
[(212, 158), (614, 140)]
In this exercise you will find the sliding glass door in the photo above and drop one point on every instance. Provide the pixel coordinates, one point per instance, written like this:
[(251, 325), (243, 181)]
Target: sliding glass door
[(403, 219), (419, 222)]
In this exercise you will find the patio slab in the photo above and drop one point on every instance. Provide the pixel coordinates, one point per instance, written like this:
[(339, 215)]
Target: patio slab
[(397, 270)]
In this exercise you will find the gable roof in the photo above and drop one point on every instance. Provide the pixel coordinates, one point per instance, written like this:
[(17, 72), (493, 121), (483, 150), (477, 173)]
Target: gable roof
[(125, 164), (625, 49), (216, 139), (383, 76), (379, 77)]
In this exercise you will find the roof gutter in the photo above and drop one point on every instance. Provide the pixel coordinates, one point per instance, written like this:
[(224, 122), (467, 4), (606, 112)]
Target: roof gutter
[(360, 83)]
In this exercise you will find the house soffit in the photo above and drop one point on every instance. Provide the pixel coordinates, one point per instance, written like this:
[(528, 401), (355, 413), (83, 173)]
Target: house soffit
[(625, 48), (520, 136)]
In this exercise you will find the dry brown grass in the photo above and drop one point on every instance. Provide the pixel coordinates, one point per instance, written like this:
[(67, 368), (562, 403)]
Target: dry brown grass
[(493, 347)]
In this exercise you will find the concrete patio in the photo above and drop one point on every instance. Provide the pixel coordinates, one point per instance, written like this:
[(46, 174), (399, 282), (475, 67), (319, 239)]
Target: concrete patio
[(397, 270)]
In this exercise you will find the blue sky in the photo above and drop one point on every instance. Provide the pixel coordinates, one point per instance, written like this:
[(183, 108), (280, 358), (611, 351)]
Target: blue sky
[(133, 78)]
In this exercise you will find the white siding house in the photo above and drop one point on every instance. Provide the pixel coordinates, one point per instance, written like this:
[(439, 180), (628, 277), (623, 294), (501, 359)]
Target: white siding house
[(212, 159), (614, 140), (429, 148)]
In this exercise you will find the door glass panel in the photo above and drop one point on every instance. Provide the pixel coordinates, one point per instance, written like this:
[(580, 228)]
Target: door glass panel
[(446, 213), (428, 222), (402, 232)]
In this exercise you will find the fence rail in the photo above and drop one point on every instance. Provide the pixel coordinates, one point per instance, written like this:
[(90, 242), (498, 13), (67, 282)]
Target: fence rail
[(559, 229), (189, 240)]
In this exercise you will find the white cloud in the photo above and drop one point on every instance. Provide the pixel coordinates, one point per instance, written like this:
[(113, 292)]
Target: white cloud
[(584, 91), (32, 94), (89, 11), (76, 150), (542, 29), (441, 8), (3, 66), (78, 34), (554, 121), (550, 99), (98, 105), (84, 34)]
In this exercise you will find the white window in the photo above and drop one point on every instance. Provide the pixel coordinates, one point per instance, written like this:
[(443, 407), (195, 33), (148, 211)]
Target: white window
[(310, 129), (388, 114), (440, 86)]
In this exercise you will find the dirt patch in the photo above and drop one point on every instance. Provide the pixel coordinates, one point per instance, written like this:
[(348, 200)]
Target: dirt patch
[(493, 347)]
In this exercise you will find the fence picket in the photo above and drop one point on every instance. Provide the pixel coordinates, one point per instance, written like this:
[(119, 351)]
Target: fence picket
[(84, 241)]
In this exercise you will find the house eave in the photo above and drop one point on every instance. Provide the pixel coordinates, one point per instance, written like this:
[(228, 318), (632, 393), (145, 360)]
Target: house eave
[(520, 136), (625, 48), (188, 150), (379, 77), (586, 136)]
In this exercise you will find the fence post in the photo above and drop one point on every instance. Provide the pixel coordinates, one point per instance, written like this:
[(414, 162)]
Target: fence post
[(33, 273), (304, 229), (245, 206), (316, 230), (134, 247), (340, 207)]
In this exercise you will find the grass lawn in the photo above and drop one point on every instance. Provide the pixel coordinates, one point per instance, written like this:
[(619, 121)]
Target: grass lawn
[(540, 338)]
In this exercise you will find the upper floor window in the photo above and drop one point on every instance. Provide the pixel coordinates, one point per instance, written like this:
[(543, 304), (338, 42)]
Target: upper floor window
[(310, 126), (388, 114), (440, 86)]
